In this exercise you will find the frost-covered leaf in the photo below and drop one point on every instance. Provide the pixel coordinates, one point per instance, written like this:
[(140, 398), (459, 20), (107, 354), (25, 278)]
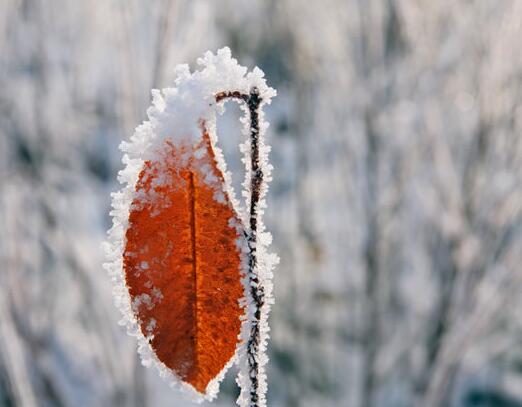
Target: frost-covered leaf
[(182, 266), (192, 278)]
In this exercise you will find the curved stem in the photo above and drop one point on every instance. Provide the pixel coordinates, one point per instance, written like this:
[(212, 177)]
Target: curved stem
[(257, 291)]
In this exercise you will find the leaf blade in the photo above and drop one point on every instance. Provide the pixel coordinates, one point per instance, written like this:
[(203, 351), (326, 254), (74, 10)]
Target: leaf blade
[(182, 266)]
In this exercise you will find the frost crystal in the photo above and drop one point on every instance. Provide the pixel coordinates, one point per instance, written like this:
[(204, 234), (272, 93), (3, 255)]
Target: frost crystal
[(176, 115)]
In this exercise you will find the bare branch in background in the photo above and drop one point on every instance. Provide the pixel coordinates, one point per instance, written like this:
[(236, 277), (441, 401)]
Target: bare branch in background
[(396, 209)]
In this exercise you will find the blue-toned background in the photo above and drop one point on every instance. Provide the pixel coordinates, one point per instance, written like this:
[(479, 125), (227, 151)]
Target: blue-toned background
[(396, 205)]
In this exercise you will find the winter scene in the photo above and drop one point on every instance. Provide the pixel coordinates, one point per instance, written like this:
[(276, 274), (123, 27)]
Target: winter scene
[(263, 203)]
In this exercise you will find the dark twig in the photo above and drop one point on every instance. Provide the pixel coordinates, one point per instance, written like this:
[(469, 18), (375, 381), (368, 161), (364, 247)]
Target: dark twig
[(257, 291)]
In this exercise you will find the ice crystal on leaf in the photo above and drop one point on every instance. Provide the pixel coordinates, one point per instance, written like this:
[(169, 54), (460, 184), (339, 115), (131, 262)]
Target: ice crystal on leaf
[(191, 268)]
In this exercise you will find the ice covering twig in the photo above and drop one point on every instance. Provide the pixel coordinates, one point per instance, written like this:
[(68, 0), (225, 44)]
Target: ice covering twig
[(256, 396)]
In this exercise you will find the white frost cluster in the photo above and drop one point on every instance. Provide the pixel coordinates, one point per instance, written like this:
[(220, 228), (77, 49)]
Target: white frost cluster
[(265, 264), (176, 114)]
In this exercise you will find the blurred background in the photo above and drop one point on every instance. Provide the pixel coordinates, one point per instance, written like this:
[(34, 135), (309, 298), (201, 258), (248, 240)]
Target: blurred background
[(396, 205)]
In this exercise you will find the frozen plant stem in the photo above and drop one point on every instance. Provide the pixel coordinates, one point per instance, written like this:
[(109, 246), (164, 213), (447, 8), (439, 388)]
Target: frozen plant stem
[(257, 291)]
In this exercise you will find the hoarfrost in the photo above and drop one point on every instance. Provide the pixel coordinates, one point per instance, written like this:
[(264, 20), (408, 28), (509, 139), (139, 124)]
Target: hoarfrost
[(176, 114)]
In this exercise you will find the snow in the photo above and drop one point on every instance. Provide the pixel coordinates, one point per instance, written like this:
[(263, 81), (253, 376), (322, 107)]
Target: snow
[(176, 114)]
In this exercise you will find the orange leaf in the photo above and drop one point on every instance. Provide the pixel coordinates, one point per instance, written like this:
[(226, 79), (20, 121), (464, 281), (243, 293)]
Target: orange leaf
[(181, 263)]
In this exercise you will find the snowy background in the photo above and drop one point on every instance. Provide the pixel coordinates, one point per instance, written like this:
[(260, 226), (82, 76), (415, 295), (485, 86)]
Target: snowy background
[(396, 205)]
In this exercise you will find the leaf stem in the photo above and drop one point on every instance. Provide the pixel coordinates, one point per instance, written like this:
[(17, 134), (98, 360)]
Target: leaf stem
[(257, 291)]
